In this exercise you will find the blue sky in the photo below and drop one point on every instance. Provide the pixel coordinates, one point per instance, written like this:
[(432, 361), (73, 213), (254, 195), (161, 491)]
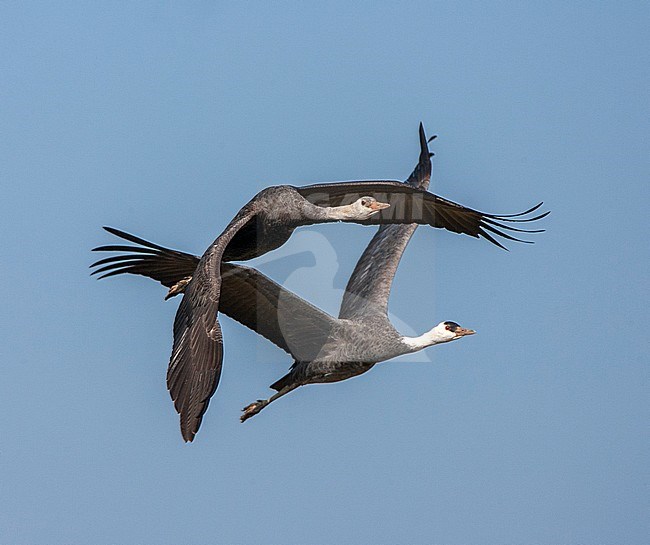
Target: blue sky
[(164, 118)]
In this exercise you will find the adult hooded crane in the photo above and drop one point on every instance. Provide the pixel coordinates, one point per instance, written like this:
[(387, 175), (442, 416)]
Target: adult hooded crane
[(264, 224)]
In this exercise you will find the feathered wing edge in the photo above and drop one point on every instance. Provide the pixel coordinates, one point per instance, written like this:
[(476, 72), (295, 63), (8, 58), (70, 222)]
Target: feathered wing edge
[(197, 353), (147, 259), (412, 205), (197, 356)]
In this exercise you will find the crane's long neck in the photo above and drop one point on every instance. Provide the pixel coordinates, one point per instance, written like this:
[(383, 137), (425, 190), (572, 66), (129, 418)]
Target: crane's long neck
[(338, 213), (323, 214), (429, 338)]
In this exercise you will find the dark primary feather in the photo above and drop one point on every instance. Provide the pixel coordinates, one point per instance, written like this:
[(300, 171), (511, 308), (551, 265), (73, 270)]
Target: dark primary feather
[(162, 264)]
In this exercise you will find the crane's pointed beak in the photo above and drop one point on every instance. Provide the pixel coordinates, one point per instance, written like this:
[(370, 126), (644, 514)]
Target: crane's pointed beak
[(378, 205), (461, 332)]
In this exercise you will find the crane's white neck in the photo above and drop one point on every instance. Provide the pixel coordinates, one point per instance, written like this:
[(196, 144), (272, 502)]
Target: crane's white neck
[(436, 335), (360, 210), (427, 339), (340, 213), (320, 214)]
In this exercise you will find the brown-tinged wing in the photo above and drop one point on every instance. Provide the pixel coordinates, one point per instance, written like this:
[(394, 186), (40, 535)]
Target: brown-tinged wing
[(147, 259), (412, 205), (197, 353)]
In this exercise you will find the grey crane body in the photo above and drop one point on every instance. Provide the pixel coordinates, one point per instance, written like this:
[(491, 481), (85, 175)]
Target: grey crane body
[(353, 347)]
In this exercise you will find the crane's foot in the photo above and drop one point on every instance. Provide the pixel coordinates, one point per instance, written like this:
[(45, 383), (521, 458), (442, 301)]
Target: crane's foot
[(179, 287), (252, 409)]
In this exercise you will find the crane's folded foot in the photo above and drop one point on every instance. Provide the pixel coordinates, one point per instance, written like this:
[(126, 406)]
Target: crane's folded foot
[(179, 287), (253, 409)]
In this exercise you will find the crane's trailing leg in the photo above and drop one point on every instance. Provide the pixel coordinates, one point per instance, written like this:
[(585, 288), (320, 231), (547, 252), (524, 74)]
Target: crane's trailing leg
[(257, 406)]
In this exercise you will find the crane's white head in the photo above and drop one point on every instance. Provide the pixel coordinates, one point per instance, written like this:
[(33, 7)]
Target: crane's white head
[(364, 208), (442, 333), (450, 331)]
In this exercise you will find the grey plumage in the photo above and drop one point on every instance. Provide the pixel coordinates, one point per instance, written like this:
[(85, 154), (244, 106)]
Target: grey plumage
[(325, 349)]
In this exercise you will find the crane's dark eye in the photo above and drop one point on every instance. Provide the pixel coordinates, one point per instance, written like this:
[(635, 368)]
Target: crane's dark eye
[(364, 202), (451, 326)]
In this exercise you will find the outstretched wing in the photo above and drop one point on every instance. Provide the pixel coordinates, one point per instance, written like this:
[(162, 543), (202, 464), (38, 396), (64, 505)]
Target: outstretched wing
[(197, 353), (369, 286), (412, 205), (247, 295), (281, 316)]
